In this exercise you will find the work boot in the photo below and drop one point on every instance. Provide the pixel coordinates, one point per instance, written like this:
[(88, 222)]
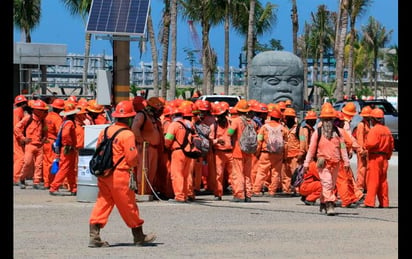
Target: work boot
[(330, 208), (140, 239), (322, 207), (94, 234)]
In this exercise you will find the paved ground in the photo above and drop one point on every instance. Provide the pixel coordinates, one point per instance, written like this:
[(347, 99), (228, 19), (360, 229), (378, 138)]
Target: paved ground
[(57, 227)]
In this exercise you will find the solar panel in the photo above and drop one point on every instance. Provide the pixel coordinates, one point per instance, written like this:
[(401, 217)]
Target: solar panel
[(120, 17)]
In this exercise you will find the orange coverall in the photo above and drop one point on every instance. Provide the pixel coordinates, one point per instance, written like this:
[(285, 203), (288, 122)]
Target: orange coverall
[(18, 148), (223, 148), (242, 162), (311, 187), (53, 121), (269, 164), (163, 182), (380, 145), (332, 151), (33, 151), (362, 156), (114, 188), (180, 164), (292, 151), (147, 130), (210, 157), (68, 158)]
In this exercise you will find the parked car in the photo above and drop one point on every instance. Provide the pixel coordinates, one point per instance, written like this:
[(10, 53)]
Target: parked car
[(390, 119), (230, 99)]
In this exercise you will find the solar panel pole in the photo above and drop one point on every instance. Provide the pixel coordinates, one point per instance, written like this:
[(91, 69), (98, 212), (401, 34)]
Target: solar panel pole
[(121, 70)]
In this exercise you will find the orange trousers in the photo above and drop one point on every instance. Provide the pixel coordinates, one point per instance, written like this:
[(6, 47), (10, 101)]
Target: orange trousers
[(311, 187), (376, 181), (18, 160), (240, 180), (345, 186), (328, 176), (32, 154), (253, 173), (269, 165), (211, 174), (288, 168), (180, 169), (67, 168), (114, 190), (48, 157), (163, 181), (362, 165), (224, 160)]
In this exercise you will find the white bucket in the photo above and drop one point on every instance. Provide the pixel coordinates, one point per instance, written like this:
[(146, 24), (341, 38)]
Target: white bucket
[(86, 182)]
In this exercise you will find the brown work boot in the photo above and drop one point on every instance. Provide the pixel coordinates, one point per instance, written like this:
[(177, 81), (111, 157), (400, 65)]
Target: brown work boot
[(141, 239), (330, 208), (322, 207), (94, 234)]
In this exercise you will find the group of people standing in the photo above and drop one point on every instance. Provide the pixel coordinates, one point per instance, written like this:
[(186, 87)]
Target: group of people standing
[(154, 158)]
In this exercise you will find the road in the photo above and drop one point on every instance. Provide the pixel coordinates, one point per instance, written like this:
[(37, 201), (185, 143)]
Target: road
[(57, 227)]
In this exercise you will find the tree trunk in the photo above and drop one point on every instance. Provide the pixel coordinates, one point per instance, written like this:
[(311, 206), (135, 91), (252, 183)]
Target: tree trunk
[(153, 49), (165, 52), (250, 37), (340, 48), (88, 38), (173, 36), (295, 26), (226, 73)]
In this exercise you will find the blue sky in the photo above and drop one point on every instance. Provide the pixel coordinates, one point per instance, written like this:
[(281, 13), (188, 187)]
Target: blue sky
[(58, 26)]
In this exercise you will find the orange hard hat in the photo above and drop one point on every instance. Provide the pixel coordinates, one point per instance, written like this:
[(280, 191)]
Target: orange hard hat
[(326, 104), (349, 109), (288, 103), (20, 99), (271, 106), (289, 112), (124, 109), (377, 113), (232, 110), (242, 106), (340, 116), (311, 115), (186, 110), (94, 106), (224, 104), (275, 113), (204, 105), (327, 112), (69, 109), (139, 103), (167, 110), (58, 103), (260, 107), (155, 102), (176, 110), (282, 105), (366, 111), (39, 105), (82, 109), (218, 109)]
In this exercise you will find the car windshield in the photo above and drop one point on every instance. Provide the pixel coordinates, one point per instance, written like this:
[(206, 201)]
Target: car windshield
[(230, 100)]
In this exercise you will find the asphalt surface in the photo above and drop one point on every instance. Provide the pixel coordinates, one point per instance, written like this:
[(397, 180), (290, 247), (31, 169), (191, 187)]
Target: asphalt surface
[(57, 227)]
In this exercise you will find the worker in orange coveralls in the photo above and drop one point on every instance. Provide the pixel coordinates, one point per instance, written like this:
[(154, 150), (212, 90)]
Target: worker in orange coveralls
[(311, 187), (68, 153), (117, 188), (345, 183), (329, 151), (208, 119), (20, 104), (179, 163), (148, 128), (292, 152), (32, 133), (222, 148), (269, 164), (95, 111), (362, 130), (198, 168), (53, 121), (163, 171), (242, 189), (380, 145)]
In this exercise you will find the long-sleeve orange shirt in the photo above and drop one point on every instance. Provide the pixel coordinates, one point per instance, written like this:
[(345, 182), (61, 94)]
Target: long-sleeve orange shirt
[(380, 141), (36, 130)]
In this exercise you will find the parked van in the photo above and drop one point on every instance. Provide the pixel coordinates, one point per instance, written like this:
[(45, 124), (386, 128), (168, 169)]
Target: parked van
[(230, 99)]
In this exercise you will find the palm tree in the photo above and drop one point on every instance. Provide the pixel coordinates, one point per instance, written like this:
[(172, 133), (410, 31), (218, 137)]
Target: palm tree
[(164, 41), (82, 8), (391, 59), (376, 37), (207, 14), (153, 48), (173, 36), (356, 9), (26, 16), (303, 53), (295, 26), (339, 50), (327, 90)]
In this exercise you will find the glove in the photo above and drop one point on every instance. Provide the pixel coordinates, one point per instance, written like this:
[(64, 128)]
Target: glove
[(321, 163)]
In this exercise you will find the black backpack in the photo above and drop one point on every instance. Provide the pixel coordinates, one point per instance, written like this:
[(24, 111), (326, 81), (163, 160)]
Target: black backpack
[(101, 163)]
